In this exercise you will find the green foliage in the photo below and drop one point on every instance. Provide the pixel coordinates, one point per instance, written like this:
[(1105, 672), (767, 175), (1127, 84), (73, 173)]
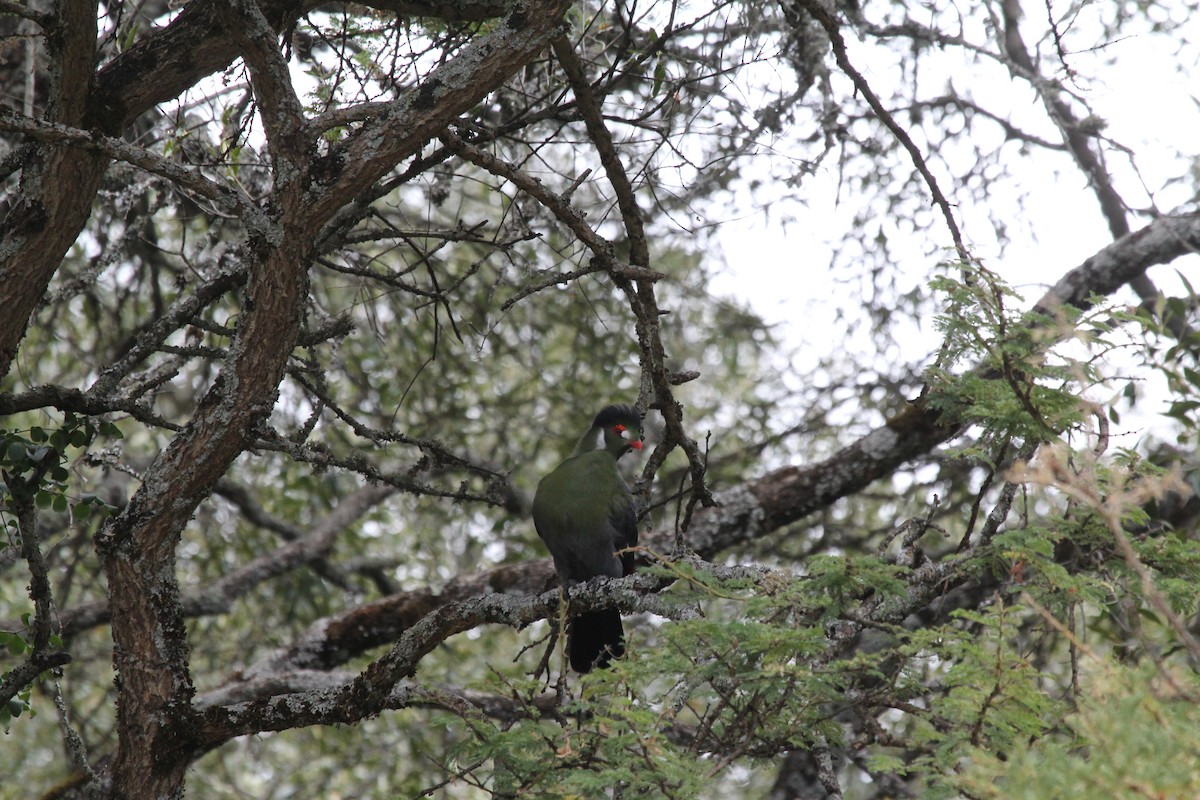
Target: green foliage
[(844, 580), (739, 679), (1173, 355), (958, 701), (592, 748), (1132, 735), (1013, 387), (34, 462), (20, 703)]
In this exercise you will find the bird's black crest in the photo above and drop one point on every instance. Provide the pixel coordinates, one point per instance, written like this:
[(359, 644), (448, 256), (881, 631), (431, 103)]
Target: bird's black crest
[(618, 412)]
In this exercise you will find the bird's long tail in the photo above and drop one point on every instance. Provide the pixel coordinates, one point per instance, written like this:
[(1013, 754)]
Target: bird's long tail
[(595, 638)]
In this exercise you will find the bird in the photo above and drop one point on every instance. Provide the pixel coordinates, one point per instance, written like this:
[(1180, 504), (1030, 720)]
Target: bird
[(584, 513)]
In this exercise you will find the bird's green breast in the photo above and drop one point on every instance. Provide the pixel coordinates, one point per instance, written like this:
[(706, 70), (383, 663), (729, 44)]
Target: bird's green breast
[(580, 492)]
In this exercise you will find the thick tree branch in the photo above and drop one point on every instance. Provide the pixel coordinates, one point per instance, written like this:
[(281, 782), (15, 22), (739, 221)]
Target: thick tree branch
[(137, 546), (593, 118), (280, 108), (50, 396), (328, 642), (165, 63), (425, 111), (369, 692), (1160, 242), (1078, 140), (57, 181), (793, 492)]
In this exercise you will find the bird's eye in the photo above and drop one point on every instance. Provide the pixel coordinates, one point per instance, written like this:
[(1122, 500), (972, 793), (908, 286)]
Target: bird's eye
[(619, 430)]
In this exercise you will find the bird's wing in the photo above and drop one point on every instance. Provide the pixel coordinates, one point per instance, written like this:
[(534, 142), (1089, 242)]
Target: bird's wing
[(623, 520)]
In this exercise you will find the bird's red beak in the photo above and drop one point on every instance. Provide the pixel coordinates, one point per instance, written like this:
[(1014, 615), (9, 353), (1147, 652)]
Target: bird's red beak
[(636, 445)]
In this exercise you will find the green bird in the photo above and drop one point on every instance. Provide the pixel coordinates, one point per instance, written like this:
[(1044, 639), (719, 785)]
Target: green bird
[(584, 513)]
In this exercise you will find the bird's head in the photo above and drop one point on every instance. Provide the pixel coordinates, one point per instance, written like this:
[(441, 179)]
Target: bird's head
[(618, 429)]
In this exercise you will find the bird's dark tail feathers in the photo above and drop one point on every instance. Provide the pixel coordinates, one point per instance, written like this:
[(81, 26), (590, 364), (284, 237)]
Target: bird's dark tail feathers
[(595, 638)]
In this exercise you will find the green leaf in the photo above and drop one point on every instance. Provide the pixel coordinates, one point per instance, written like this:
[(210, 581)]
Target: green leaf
[(14, 643), (80, 437), (660, 74)]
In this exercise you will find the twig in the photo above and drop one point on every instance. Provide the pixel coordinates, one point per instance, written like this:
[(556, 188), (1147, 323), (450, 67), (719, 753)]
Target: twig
[(1053, 471), (235, 203), (604, 257), (833, 30), (826, 772)]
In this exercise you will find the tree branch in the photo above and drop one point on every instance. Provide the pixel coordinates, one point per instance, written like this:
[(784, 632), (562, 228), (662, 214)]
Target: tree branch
[(283, 117), (57, 182), (423, 112), (233, 201), (370, 691), (42, 656)]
